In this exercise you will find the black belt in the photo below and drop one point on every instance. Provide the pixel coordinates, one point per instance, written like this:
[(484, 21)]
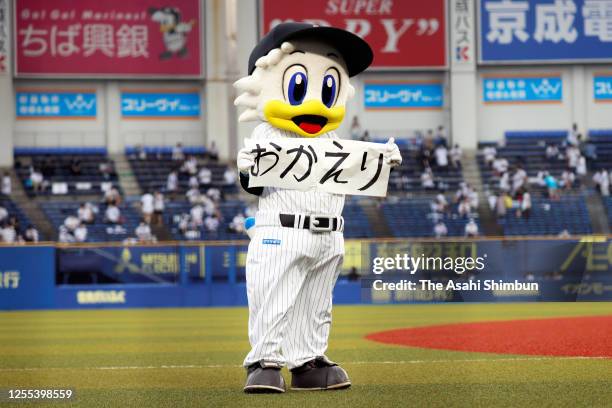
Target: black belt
[(315, 223)]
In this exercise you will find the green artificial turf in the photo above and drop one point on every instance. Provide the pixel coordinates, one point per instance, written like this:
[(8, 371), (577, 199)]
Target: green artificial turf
[(192, 357)]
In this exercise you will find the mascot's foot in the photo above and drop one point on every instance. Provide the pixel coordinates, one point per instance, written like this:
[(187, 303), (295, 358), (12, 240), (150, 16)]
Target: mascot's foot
[(319, 374), (264, 378)]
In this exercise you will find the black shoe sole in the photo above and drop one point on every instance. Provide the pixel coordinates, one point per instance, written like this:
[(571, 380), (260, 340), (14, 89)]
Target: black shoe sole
[(263, 389)]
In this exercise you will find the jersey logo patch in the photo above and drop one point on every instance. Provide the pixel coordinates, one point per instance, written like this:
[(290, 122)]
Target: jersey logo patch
[(271, 241)]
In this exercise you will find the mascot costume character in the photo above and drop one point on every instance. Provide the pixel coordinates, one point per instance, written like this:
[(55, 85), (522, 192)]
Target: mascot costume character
[(298, 85)]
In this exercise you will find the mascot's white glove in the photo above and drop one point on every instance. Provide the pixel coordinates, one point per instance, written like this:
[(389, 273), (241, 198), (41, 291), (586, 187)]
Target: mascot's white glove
[(392, 153), (246, 160)]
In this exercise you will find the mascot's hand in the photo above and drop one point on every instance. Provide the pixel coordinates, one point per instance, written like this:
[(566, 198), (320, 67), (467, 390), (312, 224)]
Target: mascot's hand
[(246, 160), (393, 156)]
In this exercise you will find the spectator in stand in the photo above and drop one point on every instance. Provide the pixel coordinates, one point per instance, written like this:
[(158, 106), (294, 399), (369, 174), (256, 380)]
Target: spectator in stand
[(146, 206), (440, 204), (141, 153), (143, 232), (214, 194), (441, 154), (455, 155), (8, 233), (112, 214), (567, 179), (31, 234), (205, 177), (193, 195), (471, 228), (107, 169), (36, 180), (500, 165), (572, 155), (213, 152), (177, 152), (552, 152), (7, 186), (86, 213), (71, 223), (172, 182), (112, 196), (581, 168), (197, 215), (504, 182), (427, 180), (519, 178), (80, 233), (159, 205), (211, 223), (490, 154), (190, 166), (464, 209), (502, 204), (440, 139), (525, 205), (237, 224), (604, 185), (229, 177), (572, 135), (3, 214), (440, 229), (193, 182), (355, 128), (553, 187), (64, 235), (365, 136)]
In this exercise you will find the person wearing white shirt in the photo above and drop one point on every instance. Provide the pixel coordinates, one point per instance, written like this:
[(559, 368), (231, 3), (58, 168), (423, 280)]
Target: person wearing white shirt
[(572, 135), (500, 165), (441, 154), (191, 166), (211, 223), (65, 235), (3, 213), (146, 206), (143, 232), (567, 179), (85, 213), (159, 205), (455, 155), (193, 195), (605, 183), (552, 151), (214, 194), (581, 168), (80, 233), (504, 182), (526, 205), (113, 214), (229, 177), (71, 222), (471, 229), (37, 180), (489, 153), (573, 154), (440, 229), (237, 224), (31, 234), (8, 234), (205, 176), (7, 186), (197, 214), (172, 182), (464, 208), (427, 180)]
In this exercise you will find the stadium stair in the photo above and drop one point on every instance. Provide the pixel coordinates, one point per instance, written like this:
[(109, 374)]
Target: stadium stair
[(30, 208), (597, 213), (380, 228), (127, 180)]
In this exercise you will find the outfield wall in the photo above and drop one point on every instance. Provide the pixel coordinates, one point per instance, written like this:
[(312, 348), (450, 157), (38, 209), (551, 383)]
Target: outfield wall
[(213, 273)]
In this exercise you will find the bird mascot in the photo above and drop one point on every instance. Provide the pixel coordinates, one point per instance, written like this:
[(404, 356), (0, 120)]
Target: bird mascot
[(297, 86)]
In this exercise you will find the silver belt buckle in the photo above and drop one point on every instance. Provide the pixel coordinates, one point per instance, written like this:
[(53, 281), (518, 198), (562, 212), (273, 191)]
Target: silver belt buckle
[(314, 223)]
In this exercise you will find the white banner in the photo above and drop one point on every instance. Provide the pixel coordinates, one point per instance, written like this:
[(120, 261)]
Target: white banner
[(462, 34), (334, 166)]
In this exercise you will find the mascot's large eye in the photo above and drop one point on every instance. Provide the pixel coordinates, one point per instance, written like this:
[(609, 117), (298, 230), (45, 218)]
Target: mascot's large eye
[(297, 84), (329, 91)]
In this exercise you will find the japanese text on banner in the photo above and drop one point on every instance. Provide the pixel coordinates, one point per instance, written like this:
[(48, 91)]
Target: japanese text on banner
[(333, 166)]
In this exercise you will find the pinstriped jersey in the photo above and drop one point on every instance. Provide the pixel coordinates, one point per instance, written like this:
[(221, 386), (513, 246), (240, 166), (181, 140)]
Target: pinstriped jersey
[(281, 200)]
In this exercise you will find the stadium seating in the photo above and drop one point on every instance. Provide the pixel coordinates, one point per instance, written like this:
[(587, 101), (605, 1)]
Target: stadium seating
[(55, 164), (57, 211), (414, 218), (14, 211), (152, 172), (550, 217)]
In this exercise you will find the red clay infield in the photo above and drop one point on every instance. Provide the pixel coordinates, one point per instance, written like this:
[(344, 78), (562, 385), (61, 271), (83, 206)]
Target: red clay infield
[(569, 336)]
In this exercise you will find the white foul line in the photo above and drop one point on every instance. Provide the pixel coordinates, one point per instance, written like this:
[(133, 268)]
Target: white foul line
[(399, 362)]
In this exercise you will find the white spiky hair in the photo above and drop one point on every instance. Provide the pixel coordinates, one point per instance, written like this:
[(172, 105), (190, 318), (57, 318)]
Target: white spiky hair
[(251, 86)]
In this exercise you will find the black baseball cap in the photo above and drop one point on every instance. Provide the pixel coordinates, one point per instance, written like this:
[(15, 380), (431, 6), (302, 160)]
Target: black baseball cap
[(355, 52)]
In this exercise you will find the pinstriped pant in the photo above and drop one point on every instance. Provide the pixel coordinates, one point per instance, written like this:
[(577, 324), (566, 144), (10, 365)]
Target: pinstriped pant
[(290, 277)]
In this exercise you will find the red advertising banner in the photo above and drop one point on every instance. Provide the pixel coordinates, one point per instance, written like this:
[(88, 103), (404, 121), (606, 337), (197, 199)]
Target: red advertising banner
[(108, 38), (404, 34)]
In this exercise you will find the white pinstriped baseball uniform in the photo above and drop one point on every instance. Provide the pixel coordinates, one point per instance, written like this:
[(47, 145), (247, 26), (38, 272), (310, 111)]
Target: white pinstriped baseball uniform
[(291, 273)]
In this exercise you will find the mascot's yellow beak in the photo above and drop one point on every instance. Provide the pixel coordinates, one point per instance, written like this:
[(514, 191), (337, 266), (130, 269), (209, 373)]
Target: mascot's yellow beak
[(309, 119)]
